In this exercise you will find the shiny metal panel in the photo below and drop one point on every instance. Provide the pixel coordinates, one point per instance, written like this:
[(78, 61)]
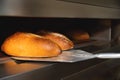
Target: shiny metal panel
[(55, 8), (102, 3)]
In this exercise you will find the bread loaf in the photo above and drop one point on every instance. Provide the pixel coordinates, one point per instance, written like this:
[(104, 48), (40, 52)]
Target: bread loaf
[(60, 39), (79, 35), (30, 45)]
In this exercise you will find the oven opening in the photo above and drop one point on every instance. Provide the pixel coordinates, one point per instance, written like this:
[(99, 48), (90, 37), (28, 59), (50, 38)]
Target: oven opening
[(102, 35), (100, 32)]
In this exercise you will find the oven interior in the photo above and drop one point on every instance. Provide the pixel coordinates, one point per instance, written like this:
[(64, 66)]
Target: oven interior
[(98, 29), (101, 31), (104, 36)]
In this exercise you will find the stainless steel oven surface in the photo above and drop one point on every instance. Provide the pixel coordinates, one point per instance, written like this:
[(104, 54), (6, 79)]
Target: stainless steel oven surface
[(103, 37), (99, 19), (108, 70), (61, 8)]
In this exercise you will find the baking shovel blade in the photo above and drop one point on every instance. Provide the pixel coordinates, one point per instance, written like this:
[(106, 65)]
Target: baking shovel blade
[(71, 56)]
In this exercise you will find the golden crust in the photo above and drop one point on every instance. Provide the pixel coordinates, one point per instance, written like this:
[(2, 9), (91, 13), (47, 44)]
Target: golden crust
[(59, 39), (30, 45), (80, 35)]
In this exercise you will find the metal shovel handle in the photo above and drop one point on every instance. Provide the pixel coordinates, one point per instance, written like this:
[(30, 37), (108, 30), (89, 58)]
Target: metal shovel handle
[(108, 55)]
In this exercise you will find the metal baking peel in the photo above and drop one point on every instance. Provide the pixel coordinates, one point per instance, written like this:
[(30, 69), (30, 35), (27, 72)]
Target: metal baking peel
[(71, 56)]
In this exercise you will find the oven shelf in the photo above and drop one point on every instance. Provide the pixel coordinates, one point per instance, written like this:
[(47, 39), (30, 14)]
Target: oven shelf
[(107, 70), (27, 70)]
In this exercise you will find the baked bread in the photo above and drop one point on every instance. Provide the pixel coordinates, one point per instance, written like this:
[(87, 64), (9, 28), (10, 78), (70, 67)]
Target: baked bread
[(60, 39), (30, 45), (79, 35)]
